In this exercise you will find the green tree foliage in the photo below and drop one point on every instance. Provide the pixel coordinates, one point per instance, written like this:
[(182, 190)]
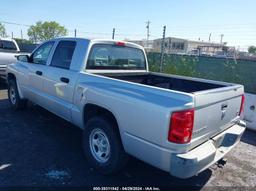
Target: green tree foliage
[(252, 49), (42, 31), (2, 31)]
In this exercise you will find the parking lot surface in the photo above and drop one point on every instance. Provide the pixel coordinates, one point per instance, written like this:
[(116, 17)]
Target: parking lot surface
[(38, 148)]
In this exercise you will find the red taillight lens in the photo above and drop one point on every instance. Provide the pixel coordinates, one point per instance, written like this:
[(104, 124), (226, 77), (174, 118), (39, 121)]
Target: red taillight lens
[(242, 105), (120, 43), (181, 126)]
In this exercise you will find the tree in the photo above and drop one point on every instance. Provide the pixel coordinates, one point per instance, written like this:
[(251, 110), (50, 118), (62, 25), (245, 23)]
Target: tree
[(42, 31), (2, 31), (252, 49)]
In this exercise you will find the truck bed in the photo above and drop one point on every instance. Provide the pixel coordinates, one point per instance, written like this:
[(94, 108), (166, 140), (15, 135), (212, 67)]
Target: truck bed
[(183, 84), (221, 99)]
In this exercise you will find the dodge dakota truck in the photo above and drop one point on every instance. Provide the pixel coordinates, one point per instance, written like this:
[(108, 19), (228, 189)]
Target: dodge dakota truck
[(8, 50), (181, 125)]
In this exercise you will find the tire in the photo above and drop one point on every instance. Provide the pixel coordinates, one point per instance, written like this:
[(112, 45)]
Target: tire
[(114, 158), (14, 98)]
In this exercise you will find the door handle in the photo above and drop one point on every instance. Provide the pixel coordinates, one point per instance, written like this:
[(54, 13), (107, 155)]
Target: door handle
[(65, 80), (39, 73)]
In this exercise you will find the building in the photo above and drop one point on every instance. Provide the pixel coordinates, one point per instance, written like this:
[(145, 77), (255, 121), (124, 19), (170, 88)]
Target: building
[(183, 46), (175, 45), (148, 45)]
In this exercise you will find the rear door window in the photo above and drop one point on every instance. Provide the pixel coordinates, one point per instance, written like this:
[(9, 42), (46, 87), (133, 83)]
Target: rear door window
[(63, 54)]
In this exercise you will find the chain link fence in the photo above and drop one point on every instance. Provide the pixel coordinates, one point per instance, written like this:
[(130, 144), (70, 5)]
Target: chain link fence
[(220, 69)]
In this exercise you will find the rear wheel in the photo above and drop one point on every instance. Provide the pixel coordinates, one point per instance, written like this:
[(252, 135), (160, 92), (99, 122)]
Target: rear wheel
[(14, 98), (102, 146)]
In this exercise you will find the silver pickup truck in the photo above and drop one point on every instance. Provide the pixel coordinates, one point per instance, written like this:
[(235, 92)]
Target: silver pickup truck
[(8, 50), (178, 124)]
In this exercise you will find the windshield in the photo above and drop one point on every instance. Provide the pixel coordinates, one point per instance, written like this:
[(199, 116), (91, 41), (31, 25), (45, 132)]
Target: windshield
[(112, 57)]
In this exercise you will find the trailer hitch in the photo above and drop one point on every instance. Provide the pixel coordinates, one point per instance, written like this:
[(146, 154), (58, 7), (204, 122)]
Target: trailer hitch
[(221, 162)]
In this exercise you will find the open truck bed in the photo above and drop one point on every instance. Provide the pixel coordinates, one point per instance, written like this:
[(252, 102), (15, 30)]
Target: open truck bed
[(172, 82), (216, 103)]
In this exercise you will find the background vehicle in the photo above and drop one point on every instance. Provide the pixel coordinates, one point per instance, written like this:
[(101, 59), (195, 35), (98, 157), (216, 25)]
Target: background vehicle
[(8, 50), (178, 124)]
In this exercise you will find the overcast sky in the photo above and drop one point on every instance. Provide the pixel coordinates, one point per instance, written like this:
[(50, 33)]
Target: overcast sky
[(236, 19)]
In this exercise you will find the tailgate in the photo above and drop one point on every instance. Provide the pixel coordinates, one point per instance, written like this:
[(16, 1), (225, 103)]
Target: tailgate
[(216, 110)]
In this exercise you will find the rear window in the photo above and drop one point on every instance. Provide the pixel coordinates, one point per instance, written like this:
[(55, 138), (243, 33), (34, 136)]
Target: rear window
[(112, 57)]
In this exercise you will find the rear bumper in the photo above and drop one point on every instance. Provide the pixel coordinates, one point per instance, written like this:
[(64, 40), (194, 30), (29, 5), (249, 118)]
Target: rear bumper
[(202, 157)]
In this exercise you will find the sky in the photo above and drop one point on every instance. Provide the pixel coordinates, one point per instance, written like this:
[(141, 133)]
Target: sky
[(189, 19)]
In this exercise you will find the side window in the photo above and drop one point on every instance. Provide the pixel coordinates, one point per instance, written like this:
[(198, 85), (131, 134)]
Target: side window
[(63, 54), (41, 55)]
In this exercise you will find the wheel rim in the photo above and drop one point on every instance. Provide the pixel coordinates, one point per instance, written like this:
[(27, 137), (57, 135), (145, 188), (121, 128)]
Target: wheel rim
[(99, 145), (12, 95)]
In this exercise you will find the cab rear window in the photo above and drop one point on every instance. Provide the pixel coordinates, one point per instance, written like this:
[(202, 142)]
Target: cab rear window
[(113, 57), (7, 45)]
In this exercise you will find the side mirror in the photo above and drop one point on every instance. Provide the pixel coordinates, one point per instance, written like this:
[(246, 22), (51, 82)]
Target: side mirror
[(23, 58)]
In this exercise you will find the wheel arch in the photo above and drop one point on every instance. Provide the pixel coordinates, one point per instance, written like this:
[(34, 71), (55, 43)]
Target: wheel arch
[(91, 110), (11, 76)]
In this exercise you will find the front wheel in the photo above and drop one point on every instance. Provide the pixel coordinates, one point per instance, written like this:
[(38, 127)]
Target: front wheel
[(14, 98), (102, 146)]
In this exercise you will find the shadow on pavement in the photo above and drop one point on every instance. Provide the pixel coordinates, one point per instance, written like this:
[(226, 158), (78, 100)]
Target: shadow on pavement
[(3, 84), (249, 137), (37, 143)]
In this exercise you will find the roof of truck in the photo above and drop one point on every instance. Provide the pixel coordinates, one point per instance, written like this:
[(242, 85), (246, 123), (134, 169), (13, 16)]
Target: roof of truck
[(7, 39), (93, 40)]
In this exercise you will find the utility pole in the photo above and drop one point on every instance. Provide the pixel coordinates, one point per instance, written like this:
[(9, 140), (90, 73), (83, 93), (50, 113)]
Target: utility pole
[(221, 38), (148, 32), (35, 38), (210, 37), (162, 50), (12, 34), (21, 34), (113, 33), (75, 33)]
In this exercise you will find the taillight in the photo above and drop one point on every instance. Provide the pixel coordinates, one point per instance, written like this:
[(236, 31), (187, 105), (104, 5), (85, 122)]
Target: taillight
[(181, 126), (242, 105)]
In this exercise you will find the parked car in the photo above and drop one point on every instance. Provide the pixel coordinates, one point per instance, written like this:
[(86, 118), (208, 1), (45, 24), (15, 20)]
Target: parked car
[(179, 124), (8, 50)]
